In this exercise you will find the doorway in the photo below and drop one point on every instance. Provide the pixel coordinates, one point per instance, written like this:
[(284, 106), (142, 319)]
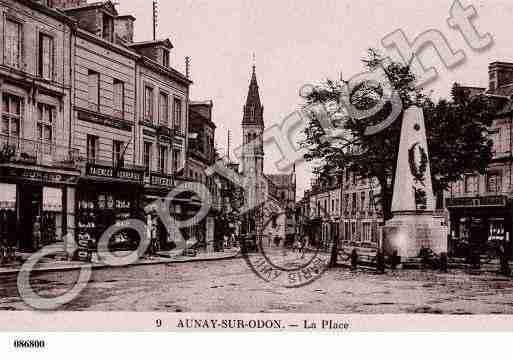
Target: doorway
[(30, 204)]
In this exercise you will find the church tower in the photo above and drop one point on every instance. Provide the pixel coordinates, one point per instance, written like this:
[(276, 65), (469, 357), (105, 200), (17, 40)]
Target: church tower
[(252, 130), (253, 151)]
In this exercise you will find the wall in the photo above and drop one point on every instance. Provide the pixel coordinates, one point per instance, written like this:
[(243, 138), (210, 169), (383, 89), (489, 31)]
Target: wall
[(90, 55), (35, 23)]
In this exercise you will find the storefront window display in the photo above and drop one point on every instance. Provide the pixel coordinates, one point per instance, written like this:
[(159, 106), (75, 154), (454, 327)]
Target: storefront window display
[(98, 211), (7, 215)]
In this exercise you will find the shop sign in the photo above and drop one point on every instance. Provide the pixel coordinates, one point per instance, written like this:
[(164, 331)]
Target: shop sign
[(96, 118), (41, 176), (110, 172), (159, 180), (52, 199), (7, 196), (476, 202)]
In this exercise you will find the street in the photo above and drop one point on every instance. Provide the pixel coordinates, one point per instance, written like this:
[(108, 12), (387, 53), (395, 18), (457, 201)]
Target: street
[(230, 286)]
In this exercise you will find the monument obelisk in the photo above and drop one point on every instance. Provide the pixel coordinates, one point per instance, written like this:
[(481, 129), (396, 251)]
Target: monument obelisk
[(413, 225)]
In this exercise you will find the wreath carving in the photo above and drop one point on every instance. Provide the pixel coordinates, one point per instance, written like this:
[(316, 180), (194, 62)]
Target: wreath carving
[(418, 171)]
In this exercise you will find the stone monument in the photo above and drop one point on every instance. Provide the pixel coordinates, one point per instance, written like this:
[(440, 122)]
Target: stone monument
[(413, 225)]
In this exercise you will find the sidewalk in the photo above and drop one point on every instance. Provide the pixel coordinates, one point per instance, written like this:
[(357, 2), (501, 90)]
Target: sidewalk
[(56, 265)]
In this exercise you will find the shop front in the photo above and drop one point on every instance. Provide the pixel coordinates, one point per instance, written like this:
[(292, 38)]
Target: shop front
[(36, 206), (480, 225), (108, 196), (157, 186)]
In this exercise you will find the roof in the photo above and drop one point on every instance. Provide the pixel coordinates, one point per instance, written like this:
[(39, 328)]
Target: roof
[(204, 103), (56, 14), (253, 109), (108, 5), (503, 94), (161, 42), (196, 117)]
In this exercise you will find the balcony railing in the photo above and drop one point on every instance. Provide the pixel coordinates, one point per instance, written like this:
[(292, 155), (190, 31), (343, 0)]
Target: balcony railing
[(15, 149)]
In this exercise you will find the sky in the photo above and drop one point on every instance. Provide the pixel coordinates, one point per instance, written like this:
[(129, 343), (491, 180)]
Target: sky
[(305, 42)]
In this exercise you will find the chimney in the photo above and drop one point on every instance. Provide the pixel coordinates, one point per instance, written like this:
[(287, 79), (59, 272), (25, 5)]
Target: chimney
[(500, 74), (188, 67), (124, 28), (64, 4)]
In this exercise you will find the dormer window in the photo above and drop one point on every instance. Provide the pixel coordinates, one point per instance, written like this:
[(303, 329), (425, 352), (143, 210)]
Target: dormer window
[(108, 27), (165, 58)]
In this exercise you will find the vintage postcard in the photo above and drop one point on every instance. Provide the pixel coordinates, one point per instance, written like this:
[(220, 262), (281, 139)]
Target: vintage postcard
[(327, 165)]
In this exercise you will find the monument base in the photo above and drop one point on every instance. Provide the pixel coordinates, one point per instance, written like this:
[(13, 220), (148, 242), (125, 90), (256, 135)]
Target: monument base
[(407, 233)]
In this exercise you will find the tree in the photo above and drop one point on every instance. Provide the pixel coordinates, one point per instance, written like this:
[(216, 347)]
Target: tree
[(456, 130)]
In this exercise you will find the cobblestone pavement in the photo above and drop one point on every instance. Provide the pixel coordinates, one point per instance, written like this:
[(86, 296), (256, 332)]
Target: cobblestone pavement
[(230, 286)]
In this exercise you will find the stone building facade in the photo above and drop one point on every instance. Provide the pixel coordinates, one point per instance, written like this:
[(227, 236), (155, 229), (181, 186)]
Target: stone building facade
[(342, 209), (38, 164), (94, 125), (480, 206)]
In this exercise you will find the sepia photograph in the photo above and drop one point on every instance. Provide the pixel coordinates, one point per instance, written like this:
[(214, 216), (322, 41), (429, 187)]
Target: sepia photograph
[(256, 165)]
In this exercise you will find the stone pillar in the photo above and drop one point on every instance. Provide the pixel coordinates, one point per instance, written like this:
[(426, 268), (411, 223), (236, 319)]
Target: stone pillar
[(413, 225)]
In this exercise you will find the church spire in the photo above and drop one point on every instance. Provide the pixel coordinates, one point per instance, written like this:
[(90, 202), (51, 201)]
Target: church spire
[(253, 109)]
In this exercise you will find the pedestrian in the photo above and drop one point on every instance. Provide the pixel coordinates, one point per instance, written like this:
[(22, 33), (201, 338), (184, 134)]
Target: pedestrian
[(504, 262), (380, 262), (395, 261), (354, 259), (36, 234)]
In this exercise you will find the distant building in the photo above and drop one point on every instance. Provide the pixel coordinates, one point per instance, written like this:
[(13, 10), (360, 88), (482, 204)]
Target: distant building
[(342, 209)]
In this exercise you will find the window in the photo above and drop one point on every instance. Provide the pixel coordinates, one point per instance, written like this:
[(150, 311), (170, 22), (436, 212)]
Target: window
[(147, 156), (45, 121), (94, 90), (148, 104), (366, 232), (347, 204), (165, 58), (362, 201), (107, 29), (501, 140), (163, 159), (177, 110), (164, 109), (12, 115), (119, 98), (471, 184), (117, 153), (332, 205), (176, 160), (347, 232), (12, 47), (354, 204), (494, 182), (92, 148), (46, 56)]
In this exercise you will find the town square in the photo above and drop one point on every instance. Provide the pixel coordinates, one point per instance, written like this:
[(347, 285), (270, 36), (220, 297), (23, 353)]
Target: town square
[(144, 167)]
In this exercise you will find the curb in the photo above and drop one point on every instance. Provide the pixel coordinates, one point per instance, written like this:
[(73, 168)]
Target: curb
[(99, 266)]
